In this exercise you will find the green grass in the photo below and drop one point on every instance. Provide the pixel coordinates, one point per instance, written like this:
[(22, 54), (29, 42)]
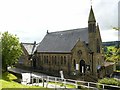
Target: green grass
[(7, 82), (61, 84)]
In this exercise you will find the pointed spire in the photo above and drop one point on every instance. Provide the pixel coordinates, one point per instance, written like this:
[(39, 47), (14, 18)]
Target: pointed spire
[(91, 16)]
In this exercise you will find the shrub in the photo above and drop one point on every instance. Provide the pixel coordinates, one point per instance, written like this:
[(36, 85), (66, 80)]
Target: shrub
[(109, 81), (8, 76)]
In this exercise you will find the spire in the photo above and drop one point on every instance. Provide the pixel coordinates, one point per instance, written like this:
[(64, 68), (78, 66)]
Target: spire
[(91, 16)]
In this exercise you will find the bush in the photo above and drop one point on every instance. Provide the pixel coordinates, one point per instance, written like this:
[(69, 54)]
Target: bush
[(8, 76), (109, 81)]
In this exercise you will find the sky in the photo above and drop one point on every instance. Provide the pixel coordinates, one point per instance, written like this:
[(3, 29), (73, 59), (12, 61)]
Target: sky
[(30, 19)]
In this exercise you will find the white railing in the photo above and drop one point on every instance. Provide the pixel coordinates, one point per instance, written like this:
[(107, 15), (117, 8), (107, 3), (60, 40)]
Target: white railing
[(57, 82)]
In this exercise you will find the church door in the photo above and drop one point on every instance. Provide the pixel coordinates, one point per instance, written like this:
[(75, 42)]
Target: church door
[(82, 66)]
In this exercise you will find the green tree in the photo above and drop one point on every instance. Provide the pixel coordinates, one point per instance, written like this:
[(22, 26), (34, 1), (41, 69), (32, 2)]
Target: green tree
[(11, 50), (109, 81), (116, 28), (112, 54)]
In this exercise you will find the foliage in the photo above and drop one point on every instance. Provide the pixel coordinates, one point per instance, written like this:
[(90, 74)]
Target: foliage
[(8, 76), (112, 53), (11, 49), (116, 28), (109, 81)]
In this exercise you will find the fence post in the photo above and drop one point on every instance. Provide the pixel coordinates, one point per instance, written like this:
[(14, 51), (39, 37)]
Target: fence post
[(76, 84), (32, 80), (38, 81), (55, 82), (47, 80), (103, 86), (88, 84), (43, 81), (65, 83)]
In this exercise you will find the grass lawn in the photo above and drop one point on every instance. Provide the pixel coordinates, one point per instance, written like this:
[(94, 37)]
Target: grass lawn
[(60, 84), (7, 82)]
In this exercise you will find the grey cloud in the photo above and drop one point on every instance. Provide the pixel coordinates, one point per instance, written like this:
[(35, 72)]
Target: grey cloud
[(107, 13)]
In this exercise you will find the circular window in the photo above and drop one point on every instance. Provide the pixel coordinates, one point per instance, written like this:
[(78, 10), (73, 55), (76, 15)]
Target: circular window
[(79, 52)]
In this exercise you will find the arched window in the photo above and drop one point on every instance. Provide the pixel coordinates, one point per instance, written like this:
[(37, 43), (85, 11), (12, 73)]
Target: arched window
[(47, 59), (61, 60), (98, 46), (55, 60), (44, 59), (39, 60), (52, 60), (74, 63), (92, 28), (58, 60), (64, 60)]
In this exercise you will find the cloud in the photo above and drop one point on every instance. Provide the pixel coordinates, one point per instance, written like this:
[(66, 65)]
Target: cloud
[(107, 13), (30, 19)]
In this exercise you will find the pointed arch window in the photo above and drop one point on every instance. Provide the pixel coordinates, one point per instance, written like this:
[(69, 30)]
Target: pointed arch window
[(55, 60), (98, 46), (92, 28), (61, 60), (47, 59), (52, 60), (74, 63), (64, 60)]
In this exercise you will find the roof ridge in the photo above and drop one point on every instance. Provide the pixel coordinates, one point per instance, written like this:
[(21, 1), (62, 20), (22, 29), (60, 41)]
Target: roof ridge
[(68, 30), (28, 43)]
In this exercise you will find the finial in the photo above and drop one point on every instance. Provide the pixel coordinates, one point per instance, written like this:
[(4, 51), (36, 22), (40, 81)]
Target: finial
[(97, 24), (91, 2), (47, 32)]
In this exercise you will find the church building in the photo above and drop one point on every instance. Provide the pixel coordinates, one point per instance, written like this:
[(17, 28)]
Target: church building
[(76, 52)]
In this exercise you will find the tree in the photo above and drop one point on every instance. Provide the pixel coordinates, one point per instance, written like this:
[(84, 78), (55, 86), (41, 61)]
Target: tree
[(116, 28), (112, 54), (11, 50)]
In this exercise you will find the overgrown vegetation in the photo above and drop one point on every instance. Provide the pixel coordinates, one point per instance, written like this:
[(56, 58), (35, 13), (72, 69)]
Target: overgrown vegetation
[(109, 81), (112, 53)]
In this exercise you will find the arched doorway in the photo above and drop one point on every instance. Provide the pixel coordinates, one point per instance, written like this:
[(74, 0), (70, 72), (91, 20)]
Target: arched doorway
[(82, 66)]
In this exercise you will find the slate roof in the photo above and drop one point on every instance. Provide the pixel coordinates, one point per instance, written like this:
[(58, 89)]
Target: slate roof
[(62, 41), (29, 47)]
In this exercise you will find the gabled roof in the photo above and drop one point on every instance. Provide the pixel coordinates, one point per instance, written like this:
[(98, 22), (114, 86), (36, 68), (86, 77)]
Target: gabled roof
[(62, 41), (29, 47)]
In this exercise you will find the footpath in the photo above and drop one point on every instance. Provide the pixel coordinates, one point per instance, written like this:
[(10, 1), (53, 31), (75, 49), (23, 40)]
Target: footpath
[(45, 84)]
